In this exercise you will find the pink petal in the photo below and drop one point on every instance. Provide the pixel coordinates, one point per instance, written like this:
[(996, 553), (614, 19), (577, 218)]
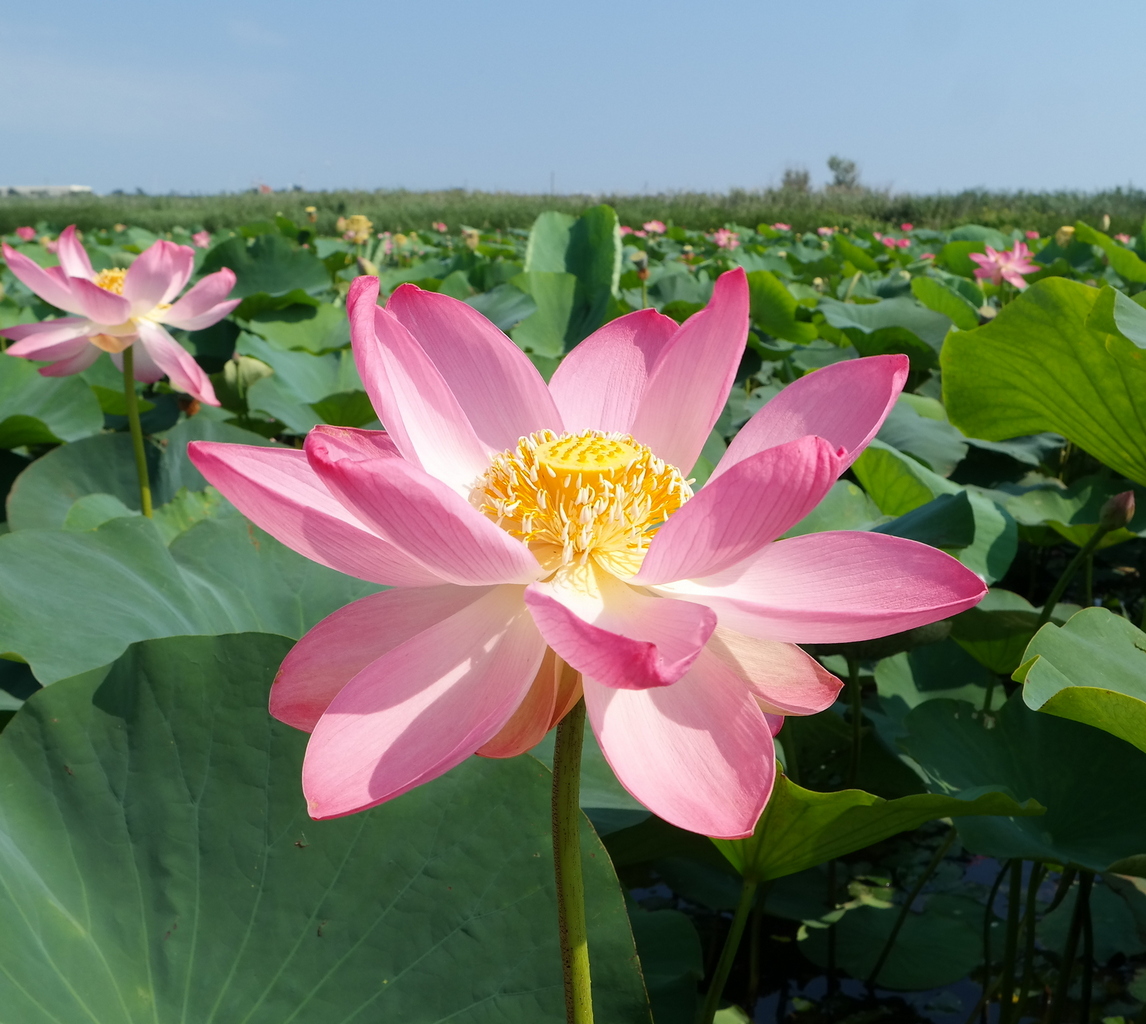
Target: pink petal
[(411, 397), (176, 362), (698, 753), (73, 256), (204, 304), (143, 368), (748, 507), (278, 491), (422, 708), (497, 387), (784, 680), (158, 275), (419, 514), (98, 304), (528, 725), (51, 284), (48, 339), (621, 638), (77, 363), (846, 403), (690, 382), (599, 385), (836, 587), (343, 644)]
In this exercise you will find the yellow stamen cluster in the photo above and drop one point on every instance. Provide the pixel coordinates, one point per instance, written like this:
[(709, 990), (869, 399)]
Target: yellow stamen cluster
[(576, 497), (111, 280)]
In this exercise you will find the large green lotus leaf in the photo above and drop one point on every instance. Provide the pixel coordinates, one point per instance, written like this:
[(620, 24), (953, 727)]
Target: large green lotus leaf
[(1124, 261), (937, 297), (1092, 670), (1089, 782), (45, 492), (936, 947), (774, 308), (932, 441), (1038, 366), (800, 828), (1117, 313), (44, 410), (1074, 511), (73, 601), (315, 329), (554, 298), (158, 865), (844, 507), (925, 324), (997, 630), (899, 484), (268, 264)]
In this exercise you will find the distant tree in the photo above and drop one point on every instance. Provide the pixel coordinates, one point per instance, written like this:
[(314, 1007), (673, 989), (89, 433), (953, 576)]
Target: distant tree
[(845, 174), (796, 179)]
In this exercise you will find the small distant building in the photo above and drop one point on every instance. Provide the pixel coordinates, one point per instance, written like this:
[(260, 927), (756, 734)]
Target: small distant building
[(44, 191)]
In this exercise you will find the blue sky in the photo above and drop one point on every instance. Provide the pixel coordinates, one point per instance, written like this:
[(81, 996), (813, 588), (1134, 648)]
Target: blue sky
[(593, 96)]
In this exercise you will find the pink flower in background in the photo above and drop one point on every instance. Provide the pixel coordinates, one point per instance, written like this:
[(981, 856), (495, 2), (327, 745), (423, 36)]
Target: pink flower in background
[(1032, 234), (50, 244), (1008, 265), (1124, 239), (905, 226), (640, 234), (117, 308), (876, 234), (888, 241), (825, 232), (654, 227), (440, 226), (626, 230), (202, 239), (781, 227), (26, 234), (725, 239), (927, 255), (543, 543), (904, 243)]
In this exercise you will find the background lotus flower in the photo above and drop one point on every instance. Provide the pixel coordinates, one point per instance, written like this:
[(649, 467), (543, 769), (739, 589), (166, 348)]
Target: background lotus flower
[(654, 227), (543, 542), (725, 239), (26, 234), (440, 226), (1008, 265), (117, 308), (778, 226), (202, 239)]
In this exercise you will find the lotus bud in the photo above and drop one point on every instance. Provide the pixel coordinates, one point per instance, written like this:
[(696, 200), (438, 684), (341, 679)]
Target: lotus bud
[(641, 261), (312, 214), (1064, 236), (1117, 512), (367, 267), (472, 237), (1106, 222)]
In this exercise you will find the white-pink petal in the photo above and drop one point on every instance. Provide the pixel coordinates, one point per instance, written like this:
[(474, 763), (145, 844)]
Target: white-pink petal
[(47, 339), (157, 275), (845, 402), (599, 385), (175, 361), (50, 283), (98, 304), (498, 388), (690, 383), (699, 753), (423, 707), (205, 304), (278, 491), (330, 654), (733, 517), (836, 587), (419, 514), (72, 255)]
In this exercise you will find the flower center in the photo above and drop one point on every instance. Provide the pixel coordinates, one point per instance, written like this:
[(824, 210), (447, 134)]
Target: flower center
[(579, 497), (111, 280)]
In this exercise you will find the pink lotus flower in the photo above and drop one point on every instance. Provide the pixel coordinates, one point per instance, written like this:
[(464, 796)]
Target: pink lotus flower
[(1032, 234), (781, 227), (520, 527), (202, 239), (927, 255), (825, 232), (655, 227), (117, 308), (725, 239), (1124, 239), (906, 226), (1008, 265), (440, 226), (26, 234)]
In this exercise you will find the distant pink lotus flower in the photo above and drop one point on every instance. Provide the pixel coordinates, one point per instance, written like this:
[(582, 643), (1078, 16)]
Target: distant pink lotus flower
[(655, 227), (904, 243), (725, 239), (927, 255), (1124, 239), (825, 232), (26, 234), (50, 244), (625, 229), (118, 308), (906, 226), (1008, 265), (640, 234), (202, 239), (887, 240), (1032, 234), (781, 227), (543, 543), (440, 226)]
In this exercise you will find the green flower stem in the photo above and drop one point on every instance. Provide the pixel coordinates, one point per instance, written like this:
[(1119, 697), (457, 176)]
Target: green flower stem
[(567, 866), (1011, 947), (132, 402), (1066, 968), (1075, 564), (856, 695), (912, 896), (728, 953), (1038, 873)]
